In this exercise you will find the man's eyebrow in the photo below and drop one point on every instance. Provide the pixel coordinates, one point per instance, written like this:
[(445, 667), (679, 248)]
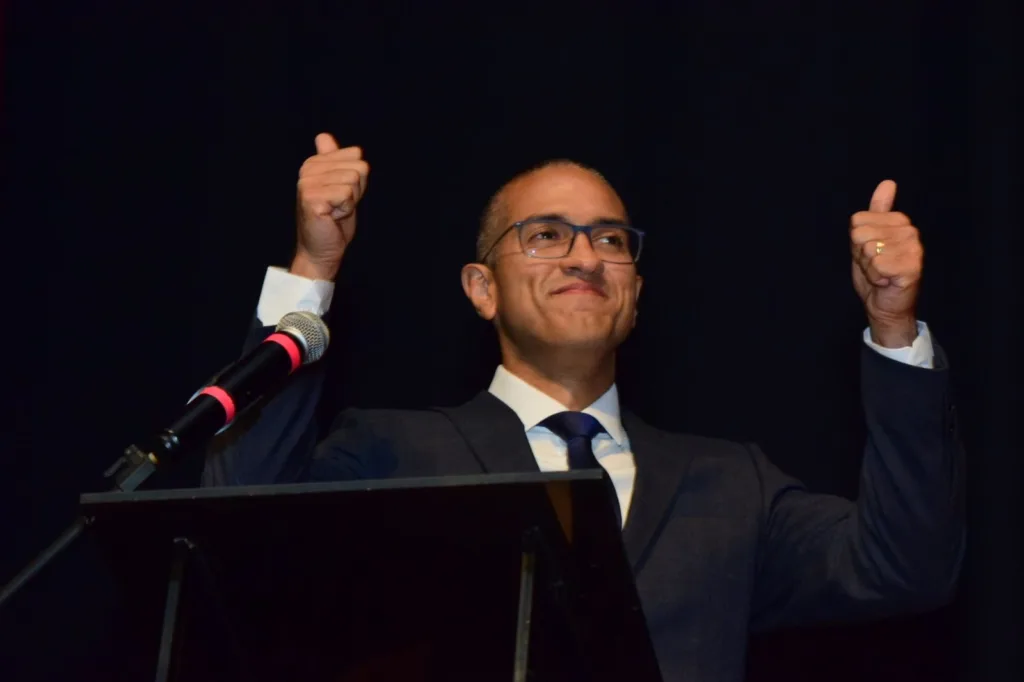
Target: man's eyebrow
[(546, 216), (559, 216), (611, 221)]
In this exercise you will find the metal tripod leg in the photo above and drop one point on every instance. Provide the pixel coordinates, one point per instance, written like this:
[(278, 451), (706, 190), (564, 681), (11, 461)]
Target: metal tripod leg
[(165, 657)]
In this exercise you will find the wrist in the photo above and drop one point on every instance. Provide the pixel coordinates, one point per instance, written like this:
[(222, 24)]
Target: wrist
[(894, 333), (304, 266)]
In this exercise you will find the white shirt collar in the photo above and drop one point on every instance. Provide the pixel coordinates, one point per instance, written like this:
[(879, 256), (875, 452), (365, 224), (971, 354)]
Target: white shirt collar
[(532, 406)]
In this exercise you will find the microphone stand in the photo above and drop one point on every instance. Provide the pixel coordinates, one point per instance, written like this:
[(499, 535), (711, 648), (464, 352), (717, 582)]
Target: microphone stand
[(129, 472), (303, 338)]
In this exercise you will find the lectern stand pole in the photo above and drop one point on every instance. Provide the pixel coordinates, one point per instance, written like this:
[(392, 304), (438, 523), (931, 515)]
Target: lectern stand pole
[(527, 573)]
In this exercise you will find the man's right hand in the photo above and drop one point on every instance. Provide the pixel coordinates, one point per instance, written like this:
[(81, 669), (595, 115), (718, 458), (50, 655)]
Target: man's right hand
[(331, 183)]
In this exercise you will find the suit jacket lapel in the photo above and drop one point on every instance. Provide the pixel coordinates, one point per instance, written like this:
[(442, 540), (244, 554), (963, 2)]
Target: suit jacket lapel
[(496, 437), (660, 469), (494, 434)]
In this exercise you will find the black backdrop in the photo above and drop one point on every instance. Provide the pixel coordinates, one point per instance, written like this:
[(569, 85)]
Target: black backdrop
[(151, 150)]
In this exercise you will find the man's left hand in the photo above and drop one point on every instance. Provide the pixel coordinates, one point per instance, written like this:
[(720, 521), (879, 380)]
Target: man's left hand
[(887, 262)]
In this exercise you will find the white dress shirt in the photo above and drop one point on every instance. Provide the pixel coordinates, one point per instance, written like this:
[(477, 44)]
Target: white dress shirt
[(610, 448), (284, 292)]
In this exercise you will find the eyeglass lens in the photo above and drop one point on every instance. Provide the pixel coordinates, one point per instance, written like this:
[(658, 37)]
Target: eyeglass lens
[(612, 243)]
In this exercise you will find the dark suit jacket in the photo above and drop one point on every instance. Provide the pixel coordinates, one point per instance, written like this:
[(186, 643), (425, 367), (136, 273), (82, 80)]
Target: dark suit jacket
[(720, 540)]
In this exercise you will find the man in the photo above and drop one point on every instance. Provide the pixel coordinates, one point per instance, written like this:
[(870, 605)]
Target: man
[(721, 542)]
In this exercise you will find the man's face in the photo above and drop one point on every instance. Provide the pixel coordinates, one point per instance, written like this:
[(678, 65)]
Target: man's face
[(578, 301)]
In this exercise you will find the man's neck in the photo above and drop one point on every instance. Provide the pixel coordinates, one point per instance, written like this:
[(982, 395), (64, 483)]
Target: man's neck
[(575, 380)]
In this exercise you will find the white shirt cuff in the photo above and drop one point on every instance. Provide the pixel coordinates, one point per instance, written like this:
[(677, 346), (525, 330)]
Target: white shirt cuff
[(919, 354), (284, 293)]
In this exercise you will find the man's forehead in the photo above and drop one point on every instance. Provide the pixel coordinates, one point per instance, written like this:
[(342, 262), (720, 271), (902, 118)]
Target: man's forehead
[(563, 190)]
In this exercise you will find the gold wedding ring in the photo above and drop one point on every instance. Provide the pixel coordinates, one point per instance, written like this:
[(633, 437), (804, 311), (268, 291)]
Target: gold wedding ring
[(879, 247)]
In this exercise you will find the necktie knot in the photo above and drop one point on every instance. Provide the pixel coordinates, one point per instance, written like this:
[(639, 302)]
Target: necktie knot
[(577, 429)]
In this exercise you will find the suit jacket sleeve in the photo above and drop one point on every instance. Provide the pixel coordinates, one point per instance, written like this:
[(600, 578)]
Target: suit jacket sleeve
[(900, 547), (274, 440)]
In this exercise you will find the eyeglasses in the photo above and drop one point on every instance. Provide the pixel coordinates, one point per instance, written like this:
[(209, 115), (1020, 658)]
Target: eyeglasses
[(548, 238)]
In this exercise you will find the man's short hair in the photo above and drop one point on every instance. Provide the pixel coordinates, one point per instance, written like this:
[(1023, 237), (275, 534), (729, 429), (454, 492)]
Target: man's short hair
[(495, 216)]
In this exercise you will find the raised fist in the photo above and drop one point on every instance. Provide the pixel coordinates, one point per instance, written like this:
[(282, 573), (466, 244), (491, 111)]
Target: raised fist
[(887, 263), (331, 183)]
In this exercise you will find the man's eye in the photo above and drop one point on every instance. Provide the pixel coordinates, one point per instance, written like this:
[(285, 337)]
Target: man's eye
[(545, 233), (612, 239)]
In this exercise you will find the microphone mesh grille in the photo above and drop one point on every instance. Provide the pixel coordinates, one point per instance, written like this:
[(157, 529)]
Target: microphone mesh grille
[(310, 330)]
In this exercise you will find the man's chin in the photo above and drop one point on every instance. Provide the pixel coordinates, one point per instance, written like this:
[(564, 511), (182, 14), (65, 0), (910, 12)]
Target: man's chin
[(579, 333), (584, 339)]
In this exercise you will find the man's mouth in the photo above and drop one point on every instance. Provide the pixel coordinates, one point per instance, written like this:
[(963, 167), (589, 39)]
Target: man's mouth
[(580, 288)]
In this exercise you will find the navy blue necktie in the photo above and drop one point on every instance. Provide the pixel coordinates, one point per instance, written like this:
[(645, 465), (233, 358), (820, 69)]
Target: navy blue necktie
[(577, 430)]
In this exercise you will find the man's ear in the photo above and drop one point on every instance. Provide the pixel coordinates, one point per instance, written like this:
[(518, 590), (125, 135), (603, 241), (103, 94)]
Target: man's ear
[(479, 286)]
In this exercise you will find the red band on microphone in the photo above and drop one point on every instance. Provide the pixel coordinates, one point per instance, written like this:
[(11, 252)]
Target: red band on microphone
[(225, 400), (290, 345)]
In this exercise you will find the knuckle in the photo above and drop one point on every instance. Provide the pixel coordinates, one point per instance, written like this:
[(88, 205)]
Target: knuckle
[(338, 176), (314, 165), (910, 233), (354, 167), (338, 194), (338, 171)]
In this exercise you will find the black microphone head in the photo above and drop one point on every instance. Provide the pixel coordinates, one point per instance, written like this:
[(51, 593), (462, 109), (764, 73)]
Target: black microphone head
[(310, 331)]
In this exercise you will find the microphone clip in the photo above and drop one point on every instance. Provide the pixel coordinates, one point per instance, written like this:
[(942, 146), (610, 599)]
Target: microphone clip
[(132, 468)]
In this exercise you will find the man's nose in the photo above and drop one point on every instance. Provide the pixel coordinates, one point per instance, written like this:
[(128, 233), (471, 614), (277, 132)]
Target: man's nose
[(582, 255)]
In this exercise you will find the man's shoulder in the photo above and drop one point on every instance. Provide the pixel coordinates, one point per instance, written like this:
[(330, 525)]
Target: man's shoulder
[(390, 418), (716, 473), (684, 441), (417, 441), (710, 446), (483, 406)]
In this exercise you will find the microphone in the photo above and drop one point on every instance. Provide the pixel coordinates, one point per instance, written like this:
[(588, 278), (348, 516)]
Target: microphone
[(300, 338)]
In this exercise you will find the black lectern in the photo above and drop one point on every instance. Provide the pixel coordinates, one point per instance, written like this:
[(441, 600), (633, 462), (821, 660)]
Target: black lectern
[(497, 577)]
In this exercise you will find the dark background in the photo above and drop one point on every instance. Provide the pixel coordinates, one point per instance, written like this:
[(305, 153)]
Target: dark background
[(150, 156)]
